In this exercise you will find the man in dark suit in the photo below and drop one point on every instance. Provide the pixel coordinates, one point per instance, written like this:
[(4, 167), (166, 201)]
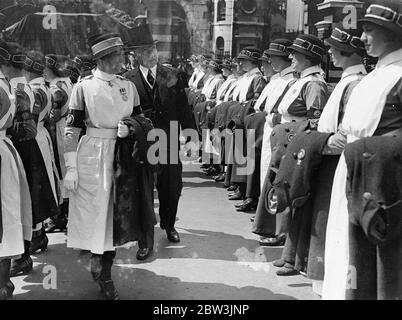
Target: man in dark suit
[(163, 100)]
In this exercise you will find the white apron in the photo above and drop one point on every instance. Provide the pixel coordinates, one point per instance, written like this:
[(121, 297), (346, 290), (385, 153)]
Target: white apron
[(275, 90), (368, 99), (292, 94), (90, 225), (15, 197)]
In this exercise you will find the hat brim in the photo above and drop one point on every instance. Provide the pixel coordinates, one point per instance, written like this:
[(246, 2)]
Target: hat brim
[(276, 53), (304, 52), (244, 57), (340, 46), (387, 25), (142, 45)]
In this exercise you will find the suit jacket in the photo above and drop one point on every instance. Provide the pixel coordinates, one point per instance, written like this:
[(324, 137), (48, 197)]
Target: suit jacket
[(166, 101)]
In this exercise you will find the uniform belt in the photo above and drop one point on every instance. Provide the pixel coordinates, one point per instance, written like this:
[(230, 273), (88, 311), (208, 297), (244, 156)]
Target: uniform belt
[(41, 124), (2, 134), (102, 133), (394, 133)]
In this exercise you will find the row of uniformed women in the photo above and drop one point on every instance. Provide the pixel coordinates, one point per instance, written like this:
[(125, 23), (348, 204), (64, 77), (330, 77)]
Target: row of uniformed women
[(317, 233), (32, 163)]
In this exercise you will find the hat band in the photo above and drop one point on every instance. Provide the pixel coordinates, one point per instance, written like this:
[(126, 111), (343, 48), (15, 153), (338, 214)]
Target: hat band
[(18, 58), (384, 13), (308, 46), (346, 38), (5, 54), (250, 54), (278, 47), (33, 64), (50, 62), (106, 44)]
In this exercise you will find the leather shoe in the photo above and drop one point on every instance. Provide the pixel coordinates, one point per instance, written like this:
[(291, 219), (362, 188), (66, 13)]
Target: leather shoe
[(143, 253), (236, 196), (232, 188), (274, 241), (239, 204), (204, 166), (252, 218), (173, 235), (287, 270), (248, 205), (279, 263), (220, 177)]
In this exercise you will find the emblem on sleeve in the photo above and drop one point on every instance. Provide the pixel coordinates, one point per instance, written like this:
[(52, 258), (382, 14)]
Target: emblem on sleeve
[(70, 119)]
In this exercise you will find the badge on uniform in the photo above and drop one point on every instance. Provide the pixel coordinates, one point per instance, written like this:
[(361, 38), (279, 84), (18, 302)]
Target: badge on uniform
[(123, 94), (300, 156)]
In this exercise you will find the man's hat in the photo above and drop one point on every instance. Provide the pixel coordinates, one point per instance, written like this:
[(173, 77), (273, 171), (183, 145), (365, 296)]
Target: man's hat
[(347, 40), (104, 44), (279, 47), (140, 36), (34, 62), (84, 62), (308, 45), (385, 13), (250, 53)]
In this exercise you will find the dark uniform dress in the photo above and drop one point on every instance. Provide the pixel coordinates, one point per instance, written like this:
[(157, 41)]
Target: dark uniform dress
[(304, 100), (164, 103)]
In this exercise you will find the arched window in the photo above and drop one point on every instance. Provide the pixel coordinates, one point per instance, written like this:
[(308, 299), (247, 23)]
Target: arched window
[(220, 46), (221, 10)]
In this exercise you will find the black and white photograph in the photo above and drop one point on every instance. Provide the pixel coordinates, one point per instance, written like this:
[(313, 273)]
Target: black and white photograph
[(200, 156)]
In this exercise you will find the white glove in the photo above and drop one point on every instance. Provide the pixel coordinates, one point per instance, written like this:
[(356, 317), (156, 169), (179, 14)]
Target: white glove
[(122, 130), (71, 178)]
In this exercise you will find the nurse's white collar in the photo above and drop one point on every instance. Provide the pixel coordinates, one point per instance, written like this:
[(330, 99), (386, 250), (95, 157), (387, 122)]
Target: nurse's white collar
[(103, 75), (390, 58), (311, 70)]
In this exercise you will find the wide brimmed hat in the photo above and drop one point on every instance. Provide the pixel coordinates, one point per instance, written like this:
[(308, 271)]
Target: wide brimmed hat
[(104, 44), (347, 40), (250, 53), (193, 58), (228, 63), (140, 36), (57, 63), (385, 13), (34, 64), (84, 62), (13, 53), (309, 45), (216, 64), (279, 47)]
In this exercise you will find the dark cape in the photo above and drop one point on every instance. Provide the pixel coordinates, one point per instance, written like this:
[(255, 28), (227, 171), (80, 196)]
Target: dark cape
[(133, 198)]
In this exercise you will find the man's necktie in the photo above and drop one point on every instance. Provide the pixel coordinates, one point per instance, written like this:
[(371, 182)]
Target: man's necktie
[(150, 78)]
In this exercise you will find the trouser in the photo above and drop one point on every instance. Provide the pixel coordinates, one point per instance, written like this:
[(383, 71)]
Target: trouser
[(169, 185), (146, 240)]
